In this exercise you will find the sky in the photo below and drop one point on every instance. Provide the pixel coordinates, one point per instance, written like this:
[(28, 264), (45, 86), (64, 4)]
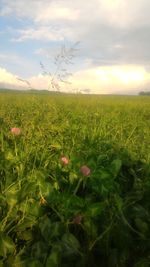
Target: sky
[(112, 52)]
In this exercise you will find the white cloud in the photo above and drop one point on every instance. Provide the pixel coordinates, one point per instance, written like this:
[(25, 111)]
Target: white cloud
[(39, 82), (44, 33), (105, 27), (7, 56), (56, 11), (112, 32), (19, 64), (9, 80), (39, 11), (103, 80), (2, 56), (8, 77), (41, 33), (120, 13), (111, 79)]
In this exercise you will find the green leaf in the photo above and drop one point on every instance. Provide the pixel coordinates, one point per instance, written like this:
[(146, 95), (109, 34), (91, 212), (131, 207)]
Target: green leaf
[(45, 227), (26, 235), (104, 174), (34, 263), (119, 202), (34, 209), (115, 167), (74, 202), (11, 198), (45, 188), (141, 225), (70, 244), (73, 177), (54, 258), (56, 146), (28, 222), (7, 246), (95, 209), (91, 228), (57, 229), (39, 250), (27, 189), (140, 211), (30, 263), (95, 184), (12, 195), (10, 156), (142, 263)]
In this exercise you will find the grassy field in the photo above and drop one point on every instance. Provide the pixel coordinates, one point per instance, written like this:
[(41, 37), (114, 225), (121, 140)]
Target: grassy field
[(75, 180)]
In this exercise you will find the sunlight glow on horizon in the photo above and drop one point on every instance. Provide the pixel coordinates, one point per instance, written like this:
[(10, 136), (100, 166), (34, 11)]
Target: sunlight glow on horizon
[(104, 79), (125, 74)]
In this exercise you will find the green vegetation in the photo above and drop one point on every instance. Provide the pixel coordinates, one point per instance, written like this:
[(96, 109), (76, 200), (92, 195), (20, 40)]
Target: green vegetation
[(89, 208), (144, 93)]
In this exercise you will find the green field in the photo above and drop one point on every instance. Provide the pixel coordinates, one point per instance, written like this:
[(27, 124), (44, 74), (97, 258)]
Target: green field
[(54, 215)]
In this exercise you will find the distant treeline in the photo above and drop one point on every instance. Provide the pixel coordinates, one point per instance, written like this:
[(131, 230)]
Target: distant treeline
[(31, 91), (144, 93)]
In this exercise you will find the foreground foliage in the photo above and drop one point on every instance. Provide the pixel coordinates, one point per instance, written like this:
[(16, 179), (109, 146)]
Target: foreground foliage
[(75, 181)]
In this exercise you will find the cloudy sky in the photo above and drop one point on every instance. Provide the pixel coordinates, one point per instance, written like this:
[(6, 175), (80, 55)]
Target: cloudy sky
[(113, 54)]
